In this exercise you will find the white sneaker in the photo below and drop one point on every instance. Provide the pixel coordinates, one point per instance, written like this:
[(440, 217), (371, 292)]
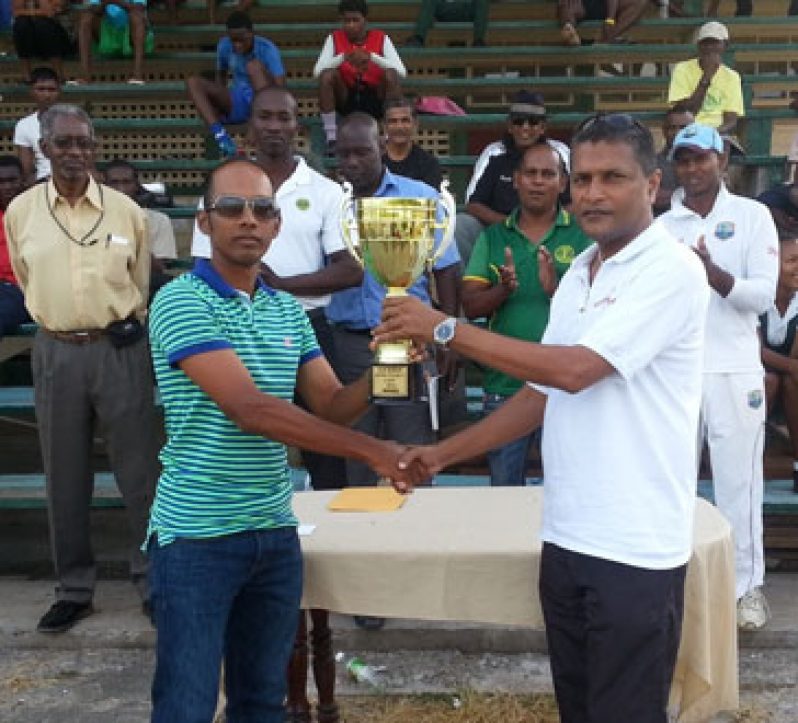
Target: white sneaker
[(753, 611)]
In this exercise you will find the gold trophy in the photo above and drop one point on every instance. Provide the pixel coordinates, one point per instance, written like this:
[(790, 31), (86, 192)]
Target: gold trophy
[(394, 238)]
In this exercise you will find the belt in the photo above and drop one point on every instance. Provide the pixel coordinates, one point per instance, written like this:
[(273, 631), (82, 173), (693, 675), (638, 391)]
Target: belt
[(87, 336)]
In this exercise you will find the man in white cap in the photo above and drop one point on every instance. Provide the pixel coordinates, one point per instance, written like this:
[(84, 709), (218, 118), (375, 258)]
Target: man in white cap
[(711, 90), (736, 239)]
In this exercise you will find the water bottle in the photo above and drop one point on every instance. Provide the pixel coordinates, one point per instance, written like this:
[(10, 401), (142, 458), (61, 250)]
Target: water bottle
[(360, 671)]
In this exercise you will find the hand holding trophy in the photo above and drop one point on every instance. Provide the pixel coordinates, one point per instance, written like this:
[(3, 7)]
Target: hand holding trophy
[(394, 239)]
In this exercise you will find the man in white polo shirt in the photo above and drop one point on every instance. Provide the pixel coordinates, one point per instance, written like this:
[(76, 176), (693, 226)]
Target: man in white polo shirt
[(618, 378), (736, 239)]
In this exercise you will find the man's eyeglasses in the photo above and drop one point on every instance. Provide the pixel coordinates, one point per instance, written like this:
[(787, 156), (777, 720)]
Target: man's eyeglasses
[(82, 143), (618, 121), (263, 207), (532, 120)]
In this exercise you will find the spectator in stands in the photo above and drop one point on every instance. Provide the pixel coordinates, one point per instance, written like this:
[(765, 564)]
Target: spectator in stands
[(492, 197), (736, 240), (122, 176), (780, 344), (253, 62), (617, 386), (354, 312), (39, 33), (782, 200), (675, 119), (403, 156), (308, 259), (710, 90), (104, 18), (450, 11), (618, 16), (45, 91), (358, 69), (12, 302), (511, 276), (79, 250), (227, 369)]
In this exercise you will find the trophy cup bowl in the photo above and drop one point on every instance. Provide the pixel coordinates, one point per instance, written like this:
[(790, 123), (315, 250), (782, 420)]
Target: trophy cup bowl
[(394, 239)]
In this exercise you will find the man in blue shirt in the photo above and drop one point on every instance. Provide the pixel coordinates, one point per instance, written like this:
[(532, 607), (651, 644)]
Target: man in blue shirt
[(252, 63), (229, 353), (355, 312)]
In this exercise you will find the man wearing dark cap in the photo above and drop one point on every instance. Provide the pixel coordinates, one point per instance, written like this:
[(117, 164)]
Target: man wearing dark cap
[(491, 196), (710, 90)]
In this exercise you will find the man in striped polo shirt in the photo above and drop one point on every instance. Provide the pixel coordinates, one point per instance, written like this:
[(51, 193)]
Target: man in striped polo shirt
[(229, 353)]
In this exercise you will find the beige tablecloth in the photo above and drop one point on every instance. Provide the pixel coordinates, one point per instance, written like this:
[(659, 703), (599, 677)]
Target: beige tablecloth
[(473, 554)]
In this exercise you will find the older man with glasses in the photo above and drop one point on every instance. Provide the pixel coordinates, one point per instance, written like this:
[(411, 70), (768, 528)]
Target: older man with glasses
[(79, 250)]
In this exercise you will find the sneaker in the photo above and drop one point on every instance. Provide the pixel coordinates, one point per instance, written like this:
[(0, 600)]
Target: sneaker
[(753, 611), (63, 615)]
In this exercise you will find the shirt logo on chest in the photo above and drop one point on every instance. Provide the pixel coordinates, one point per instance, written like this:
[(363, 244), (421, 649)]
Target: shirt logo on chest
[(303, 204), (564, 254), (724, 230)]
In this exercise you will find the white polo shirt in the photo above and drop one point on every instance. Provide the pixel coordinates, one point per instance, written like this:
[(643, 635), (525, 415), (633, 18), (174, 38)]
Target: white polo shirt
[(741, 238), (310, 205), (620, 456)]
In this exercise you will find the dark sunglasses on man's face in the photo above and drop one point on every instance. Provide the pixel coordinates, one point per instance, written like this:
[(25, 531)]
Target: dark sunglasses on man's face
[(263, 207), (532, 120), (83, 143)]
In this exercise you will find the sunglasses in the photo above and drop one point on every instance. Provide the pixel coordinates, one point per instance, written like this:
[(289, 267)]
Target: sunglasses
[(263, 207), (532, 120), (618, 121), (82, 143)]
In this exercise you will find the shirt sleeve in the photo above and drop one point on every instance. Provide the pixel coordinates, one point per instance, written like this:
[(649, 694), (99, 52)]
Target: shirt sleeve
[(327, 59), (269, 55), (162, 236), (649, 314), (679, 88), (332, 239), (222, 55), (181, 324), (755, 292), (200, 243), (309, 348), (21, 136), (734, 93), (143, 263), (390, 58), (479, 263), (493, 149), (483, 193)]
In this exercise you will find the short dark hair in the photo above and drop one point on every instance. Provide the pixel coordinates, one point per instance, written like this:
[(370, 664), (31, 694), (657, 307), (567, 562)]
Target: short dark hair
[(207, 196), (544, 143), (399, 102), (121, 163), (353, 6), (9, 161), (43, 73), (619, 128), (238, 20)]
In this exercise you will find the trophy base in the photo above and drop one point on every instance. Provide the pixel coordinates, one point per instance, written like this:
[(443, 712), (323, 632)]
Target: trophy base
[(396, 384)]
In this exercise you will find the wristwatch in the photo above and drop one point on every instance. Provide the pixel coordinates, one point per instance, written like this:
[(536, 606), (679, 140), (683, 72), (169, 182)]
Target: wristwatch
[(443, 332)]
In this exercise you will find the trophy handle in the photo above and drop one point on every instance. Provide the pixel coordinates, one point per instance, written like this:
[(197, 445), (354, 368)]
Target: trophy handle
[(447, 202), (349, 230)]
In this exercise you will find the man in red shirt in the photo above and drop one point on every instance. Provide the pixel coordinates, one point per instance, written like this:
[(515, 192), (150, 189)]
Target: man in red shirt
[(12, 302), (358, 68)]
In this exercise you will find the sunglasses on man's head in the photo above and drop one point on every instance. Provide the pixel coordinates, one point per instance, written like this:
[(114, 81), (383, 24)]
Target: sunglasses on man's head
[(619, 121), (83, 143), (532, 120), (263, 207)]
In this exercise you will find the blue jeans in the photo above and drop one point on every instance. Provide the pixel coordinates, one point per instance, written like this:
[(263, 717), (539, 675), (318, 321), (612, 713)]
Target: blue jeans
[(507, 464), (234, 597)]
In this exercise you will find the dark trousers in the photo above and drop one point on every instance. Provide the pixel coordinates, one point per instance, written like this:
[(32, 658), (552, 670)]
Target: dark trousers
[(326, 472), (613, 632), (12, 308), (448, 11), (80, 389)]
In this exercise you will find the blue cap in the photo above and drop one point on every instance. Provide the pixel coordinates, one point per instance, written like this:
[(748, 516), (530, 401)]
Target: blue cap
[(698, 137)]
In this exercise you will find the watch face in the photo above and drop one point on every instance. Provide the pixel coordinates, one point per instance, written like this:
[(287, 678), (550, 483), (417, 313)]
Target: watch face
[(444, 331)]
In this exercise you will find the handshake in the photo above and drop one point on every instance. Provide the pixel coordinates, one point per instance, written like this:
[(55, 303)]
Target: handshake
[(406, 317)]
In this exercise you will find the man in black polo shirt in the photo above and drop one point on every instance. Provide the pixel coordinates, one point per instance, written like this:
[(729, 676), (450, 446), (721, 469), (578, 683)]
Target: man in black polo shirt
[(402, 154)]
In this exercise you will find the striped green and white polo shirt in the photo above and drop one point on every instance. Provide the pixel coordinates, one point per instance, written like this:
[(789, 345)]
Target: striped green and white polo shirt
[(216, 479)]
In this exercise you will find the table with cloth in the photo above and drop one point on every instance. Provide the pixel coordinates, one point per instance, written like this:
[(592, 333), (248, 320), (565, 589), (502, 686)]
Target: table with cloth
[(473, 554)]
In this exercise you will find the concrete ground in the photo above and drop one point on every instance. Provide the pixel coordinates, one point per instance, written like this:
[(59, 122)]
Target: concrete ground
[(101, 670)]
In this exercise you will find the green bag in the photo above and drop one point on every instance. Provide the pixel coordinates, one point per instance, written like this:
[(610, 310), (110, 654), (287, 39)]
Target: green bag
[(115, 41)]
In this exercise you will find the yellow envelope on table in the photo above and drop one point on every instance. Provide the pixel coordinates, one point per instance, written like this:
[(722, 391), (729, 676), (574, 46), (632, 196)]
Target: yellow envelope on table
[(366, 499)]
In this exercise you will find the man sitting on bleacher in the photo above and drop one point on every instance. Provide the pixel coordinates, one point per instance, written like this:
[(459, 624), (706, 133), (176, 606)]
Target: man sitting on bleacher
[(253, 62), (12, 302)]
